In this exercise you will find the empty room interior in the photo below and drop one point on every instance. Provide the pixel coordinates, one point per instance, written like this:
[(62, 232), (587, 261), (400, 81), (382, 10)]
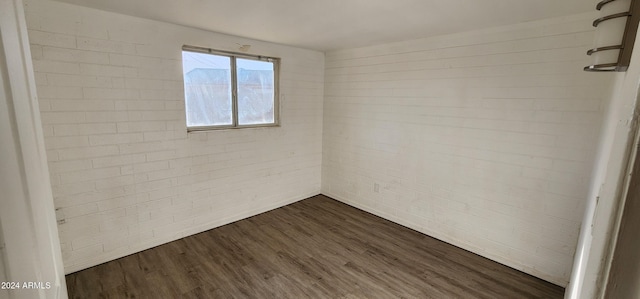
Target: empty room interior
[(319, 149)]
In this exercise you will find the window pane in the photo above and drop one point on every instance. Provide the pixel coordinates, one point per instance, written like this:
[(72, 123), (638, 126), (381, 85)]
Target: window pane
[(207, 89), (255, 92)]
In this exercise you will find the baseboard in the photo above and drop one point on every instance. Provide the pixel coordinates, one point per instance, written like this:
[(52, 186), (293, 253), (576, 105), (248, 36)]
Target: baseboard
[(452, 241), (116, 254)]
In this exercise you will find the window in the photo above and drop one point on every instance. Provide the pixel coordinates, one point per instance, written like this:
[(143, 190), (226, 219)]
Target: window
[(229, 90)]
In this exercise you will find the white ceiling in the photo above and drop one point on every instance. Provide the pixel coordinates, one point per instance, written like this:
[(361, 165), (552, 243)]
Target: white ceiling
[(335, 24)]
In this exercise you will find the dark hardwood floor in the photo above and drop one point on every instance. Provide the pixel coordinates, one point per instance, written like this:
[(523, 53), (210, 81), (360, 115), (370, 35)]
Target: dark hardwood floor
[(315, 248)]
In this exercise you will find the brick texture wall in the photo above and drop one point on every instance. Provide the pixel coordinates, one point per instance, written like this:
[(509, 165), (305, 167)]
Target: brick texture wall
[(483, 139), (126, 175)]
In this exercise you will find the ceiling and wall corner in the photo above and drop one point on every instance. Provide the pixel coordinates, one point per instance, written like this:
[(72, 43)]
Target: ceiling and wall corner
[(322, 26), (336, 24)]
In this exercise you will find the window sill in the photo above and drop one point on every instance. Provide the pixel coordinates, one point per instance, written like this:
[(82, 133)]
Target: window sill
[(223, 128)]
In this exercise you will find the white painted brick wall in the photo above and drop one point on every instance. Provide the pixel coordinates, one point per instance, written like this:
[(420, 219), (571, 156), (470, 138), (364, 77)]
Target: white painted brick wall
[(126, 175), (483, 139)]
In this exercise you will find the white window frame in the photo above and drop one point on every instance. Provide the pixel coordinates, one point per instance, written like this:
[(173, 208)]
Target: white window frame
[(234, 88)]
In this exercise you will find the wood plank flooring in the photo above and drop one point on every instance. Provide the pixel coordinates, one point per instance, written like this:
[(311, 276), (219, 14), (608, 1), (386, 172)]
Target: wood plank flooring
[(315, 248)]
